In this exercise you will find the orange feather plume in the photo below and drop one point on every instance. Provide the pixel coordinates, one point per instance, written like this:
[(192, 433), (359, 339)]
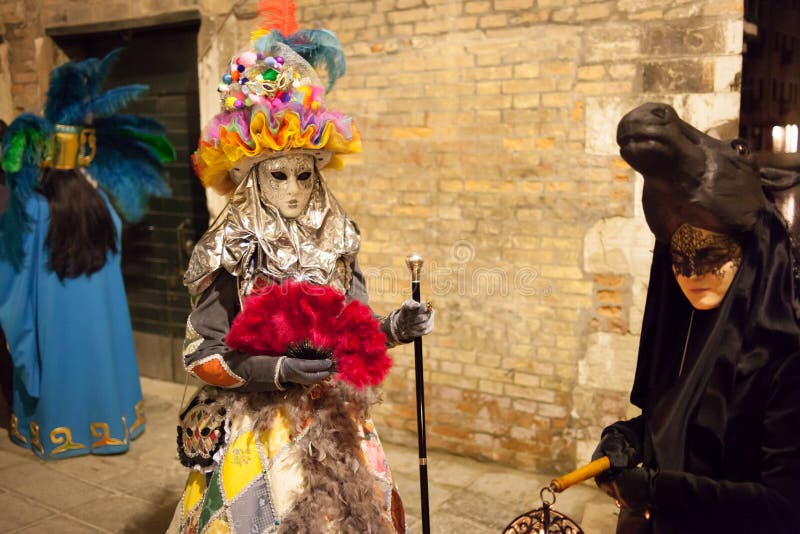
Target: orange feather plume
[(278, 15)]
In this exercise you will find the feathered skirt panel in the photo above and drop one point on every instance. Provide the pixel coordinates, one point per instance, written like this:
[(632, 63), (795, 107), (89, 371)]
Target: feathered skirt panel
[(306, 460)]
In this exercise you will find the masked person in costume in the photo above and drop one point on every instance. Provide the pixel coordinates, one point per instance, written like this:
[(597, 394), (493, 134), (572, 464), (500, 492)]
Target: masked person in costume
[(718, 372), (280, 439), (6, 368), (63, 309)]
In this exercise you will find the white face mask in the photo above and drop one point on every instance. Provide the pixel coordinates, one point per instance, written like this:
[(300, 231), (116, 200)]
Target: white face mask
[(287, 182)]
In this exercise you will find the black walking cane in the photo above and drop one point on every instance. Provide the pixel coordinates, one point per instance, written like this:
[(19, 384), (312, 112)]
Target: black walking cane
[(414, 263)]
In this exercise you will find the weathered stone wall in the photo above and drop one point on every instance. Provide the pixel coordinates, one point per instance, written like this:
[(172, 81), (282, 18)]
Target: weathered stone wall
[(6, 100), (488, 129)]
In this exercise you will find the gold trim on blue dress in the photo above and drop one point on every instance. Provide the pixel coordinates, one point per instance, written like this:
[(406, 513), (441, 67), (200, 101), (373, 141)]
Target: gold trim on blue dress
[(65, 441)]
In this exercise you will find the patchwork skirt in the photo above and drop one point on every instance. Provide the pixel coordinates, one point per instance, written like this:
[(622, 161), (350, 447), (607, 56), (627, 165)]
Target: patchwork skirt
[(303, 460)]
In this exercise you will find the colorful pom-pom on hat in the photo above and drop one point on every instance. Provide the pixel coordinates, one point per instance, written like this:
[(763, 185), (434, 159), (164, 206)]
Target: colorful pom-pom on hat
[(272, 100)]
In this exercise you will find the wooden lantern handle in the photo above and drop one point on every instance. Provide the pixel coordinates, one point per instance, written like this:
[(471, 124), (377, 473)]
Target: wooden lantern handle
[(579, 475)]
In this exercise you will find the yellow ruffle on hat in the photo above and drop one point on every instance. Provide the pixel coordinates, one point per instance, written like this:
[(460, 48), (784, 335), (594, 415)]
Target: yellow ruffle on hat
[(272, 101)]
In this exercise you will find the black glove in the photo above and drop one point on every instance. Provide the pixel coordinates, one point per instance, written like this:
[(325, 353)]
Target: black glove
[(306, 372), (412, 319), (261, 373), (633, 488), (619, 451)]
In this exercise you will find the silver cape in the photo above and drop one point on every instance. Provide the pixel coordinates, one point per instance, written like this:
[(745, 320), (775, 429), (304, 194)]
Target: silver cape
[(250, 238)]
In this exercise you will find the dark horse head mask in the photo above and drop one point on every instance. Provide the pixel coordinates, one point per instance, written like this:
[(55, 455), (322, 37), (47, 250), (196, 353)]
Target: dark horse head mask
[(689, 177)]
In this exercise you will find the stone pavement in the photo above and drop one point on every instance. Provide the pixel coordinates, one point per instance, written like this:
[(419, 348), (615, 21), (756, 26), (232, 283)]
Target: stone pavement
[(137, 492)]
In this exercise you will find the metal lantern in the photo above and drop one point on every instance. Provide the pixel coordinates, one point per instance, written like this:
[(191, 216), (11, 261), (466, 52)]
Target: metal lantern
[(546, 520)]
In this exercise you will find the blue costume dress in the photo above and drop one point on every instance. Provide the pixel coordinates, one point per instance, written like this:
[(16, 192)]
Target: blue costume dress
[(76, 381)]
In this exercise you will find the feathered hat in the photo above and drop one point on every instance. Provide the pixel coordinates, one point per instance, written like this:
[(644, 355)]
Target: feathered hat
[(124, 154), (272, 100)]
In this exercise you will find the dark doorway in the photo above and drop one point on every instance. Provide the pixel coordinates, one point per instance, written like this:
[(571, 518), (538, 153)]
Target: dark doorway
[(155, 251)]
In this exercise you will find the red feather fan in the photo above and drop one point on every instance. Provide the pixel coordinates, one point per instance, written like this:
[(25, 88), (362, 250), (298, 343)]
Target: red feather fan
[(286, 316), (278, 15)]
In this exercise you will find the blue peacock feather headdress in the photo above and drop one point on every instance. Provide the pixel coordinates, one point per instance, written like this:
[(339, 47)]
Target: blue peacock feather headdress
[(320, 48), (130, 150)]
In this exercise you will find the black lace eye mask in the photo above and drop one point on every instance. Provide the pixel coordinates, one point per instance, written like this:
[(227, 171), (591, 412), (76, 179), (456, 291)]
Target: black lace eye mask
[(695, 253)]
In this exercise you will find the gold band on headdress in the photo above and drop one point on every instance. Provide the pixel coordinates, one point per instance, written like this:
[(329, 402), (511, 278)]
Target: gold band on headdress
[(73, 146)]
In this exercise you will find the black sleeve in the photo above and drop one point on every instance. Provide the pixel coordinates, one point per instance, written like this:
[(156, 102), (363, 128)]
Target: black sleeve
[(358, 286), (358, 291), (771, 504), (205, 354)]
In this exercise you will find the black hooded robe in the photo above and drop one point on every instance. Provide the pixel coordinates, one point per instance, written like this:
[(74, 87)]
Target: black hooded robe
[(724, 436)]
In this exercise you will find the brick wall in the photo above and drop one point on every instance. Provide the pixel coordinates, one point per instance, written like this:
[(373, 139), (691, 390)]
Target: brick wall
[(489, 148), (488, 129)]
